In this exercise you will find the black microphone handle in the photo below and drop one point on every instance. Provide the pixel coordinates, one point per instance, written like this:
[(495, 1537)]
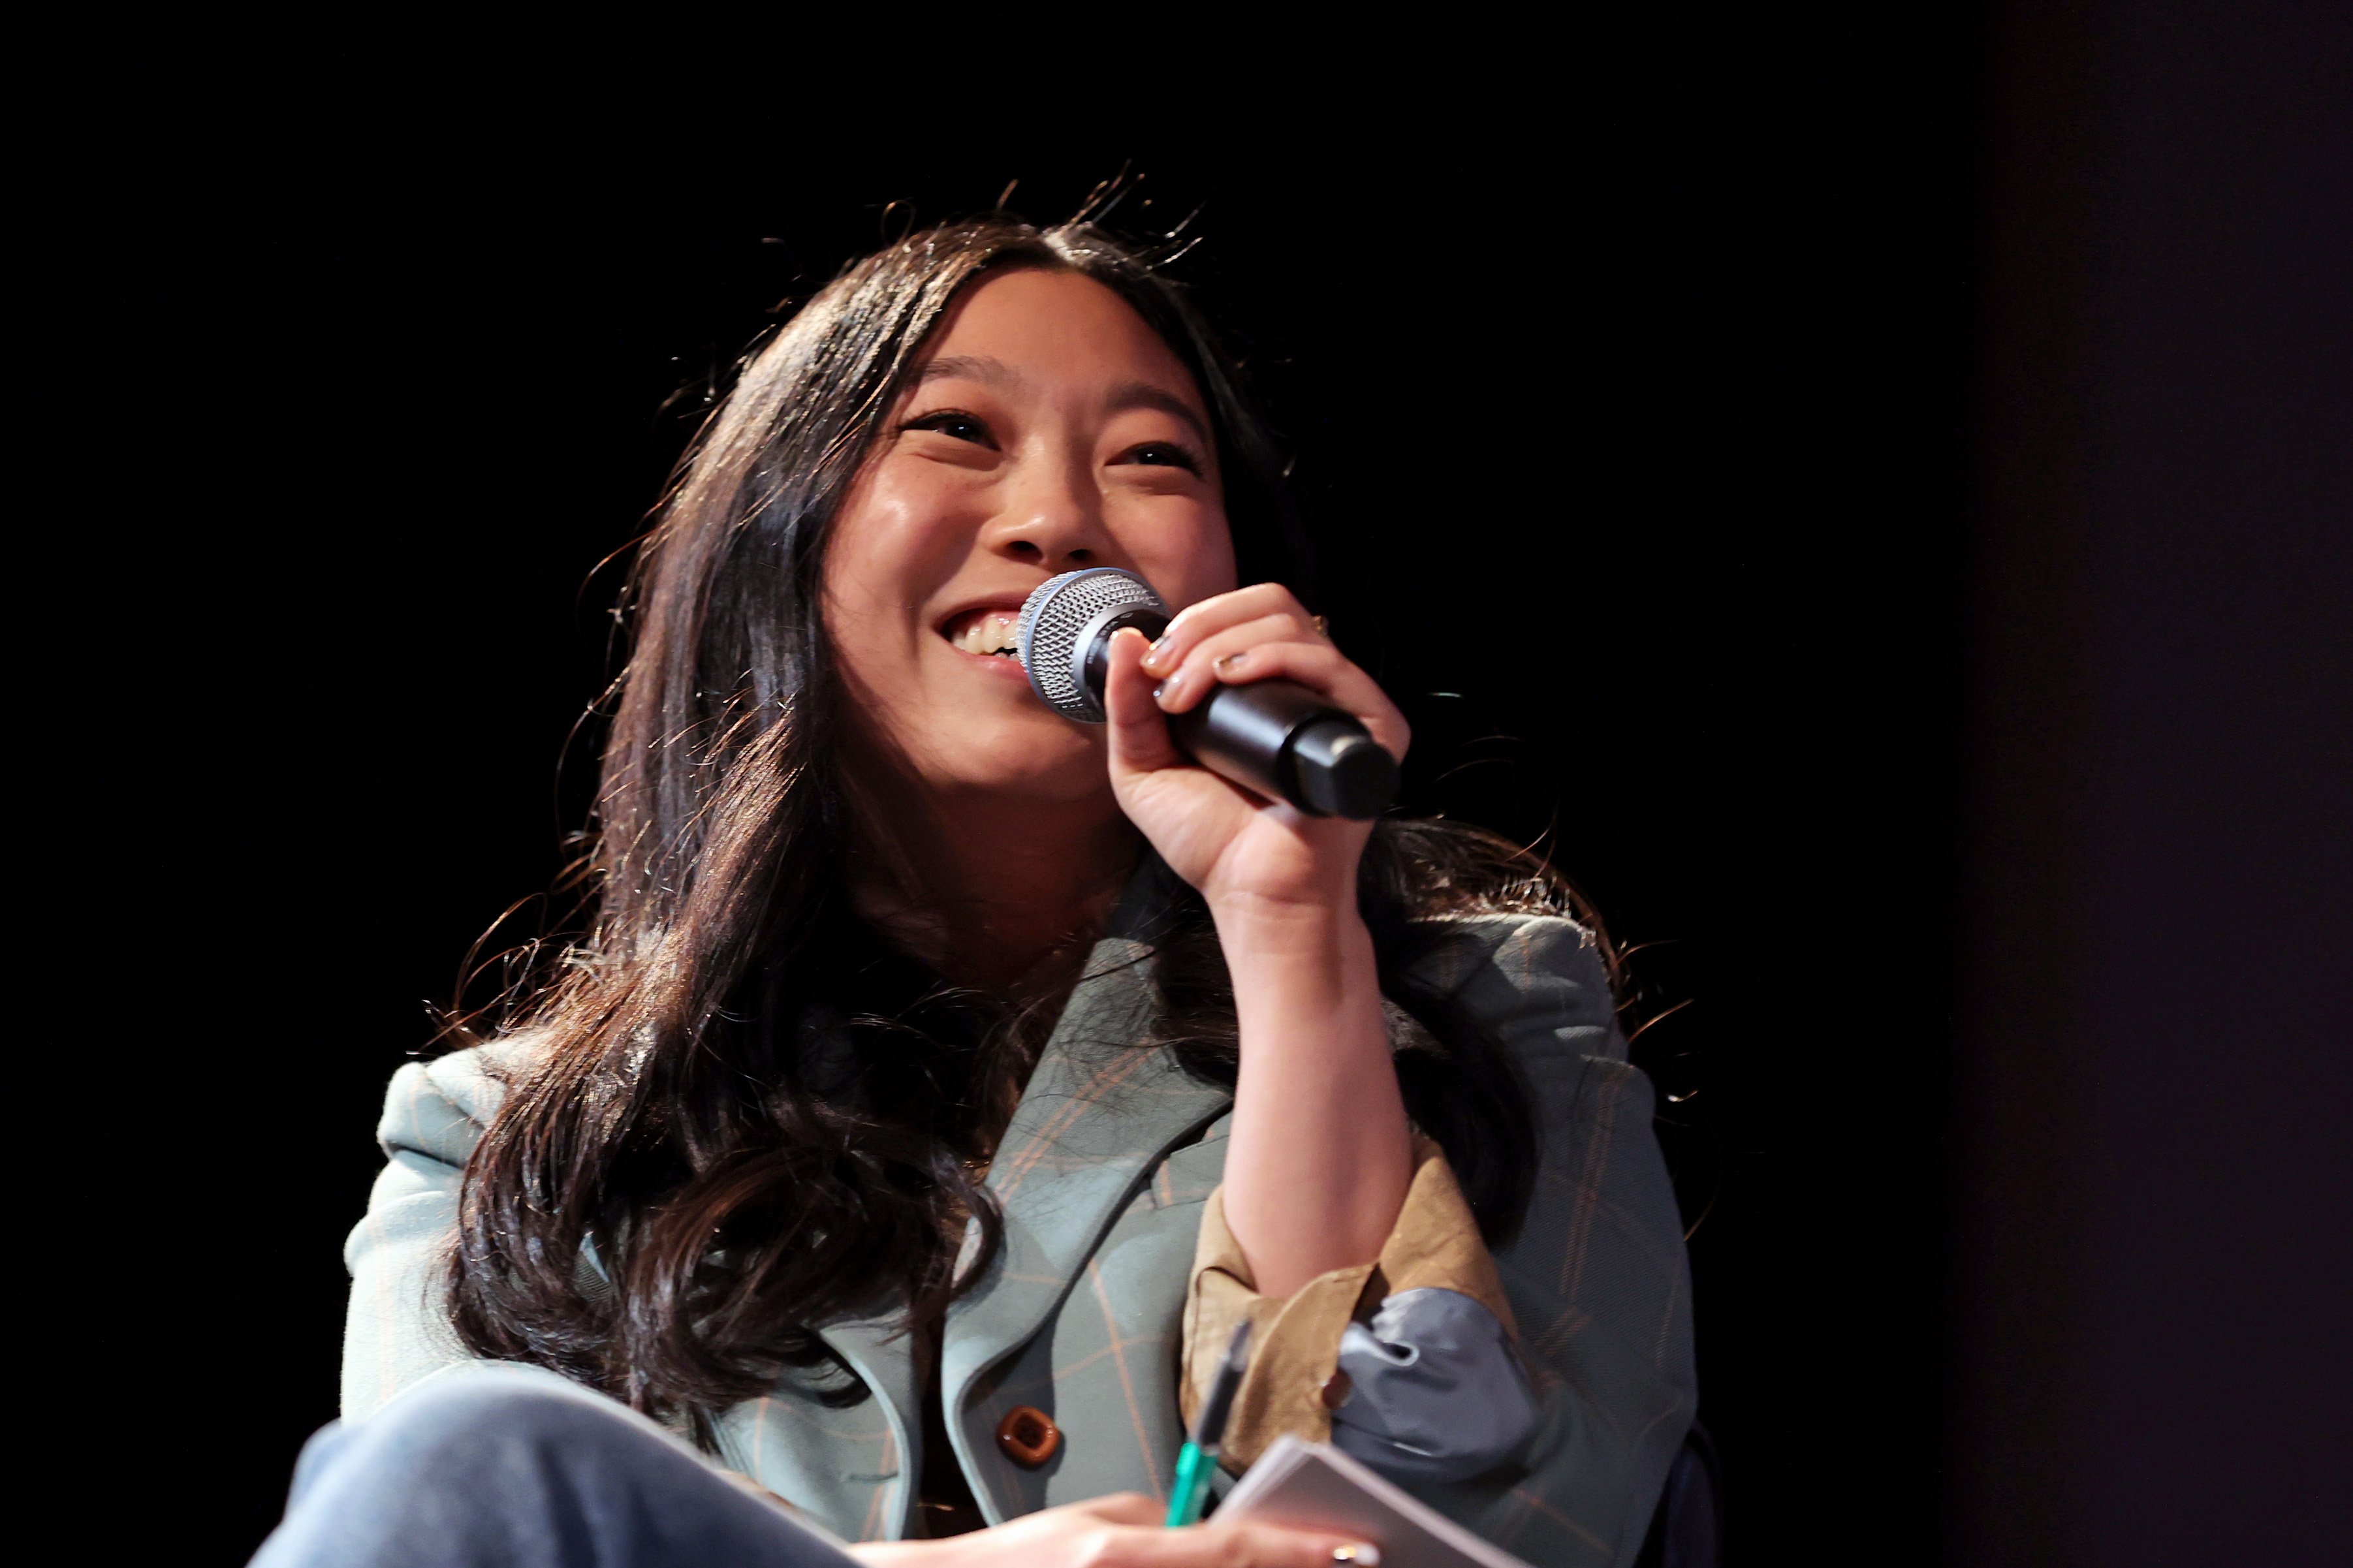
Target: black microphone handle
[(1274, 738)]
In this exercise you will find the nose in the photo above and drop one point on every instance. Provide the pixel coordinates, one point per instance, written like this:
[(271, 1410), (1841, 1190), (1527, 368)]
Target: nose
[(1053, 518)]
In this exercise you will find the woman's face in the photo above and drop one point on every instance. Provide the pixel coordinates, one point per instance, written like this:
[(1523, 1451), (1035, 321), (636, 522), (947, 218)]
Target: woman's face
[(1046, 428)]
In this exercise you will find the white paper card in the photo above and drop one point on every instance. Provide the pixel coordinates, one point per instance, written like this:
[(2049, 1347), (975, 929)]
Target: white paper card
[(1316, 1485)]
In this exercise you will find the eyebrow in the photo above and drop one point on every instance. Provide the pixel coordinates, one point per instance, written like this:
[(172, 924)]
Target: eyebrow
[(972, 367), (990, 371), (1143, 394)]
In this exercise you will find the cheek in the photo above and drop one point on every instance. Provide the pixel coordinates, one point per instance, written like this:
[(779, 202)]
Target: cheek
[(897, 540), (903, 531), (1191, 564)]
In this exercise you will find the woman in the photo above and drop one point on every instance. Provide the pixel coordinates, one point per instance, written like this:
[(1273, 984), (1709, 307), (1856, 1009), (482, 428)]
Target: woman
[(943, 1080)]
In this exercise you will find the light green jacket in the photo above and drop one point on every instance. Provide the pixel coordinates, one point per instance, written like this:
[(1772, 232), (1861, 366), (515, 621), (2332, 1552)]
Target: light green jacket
[(1102, 1174)]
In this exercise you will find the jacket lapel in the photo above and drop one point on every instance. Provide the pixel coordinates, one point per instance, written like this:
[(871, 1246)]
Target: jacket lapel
[(1099, 1112), (880, 1351)]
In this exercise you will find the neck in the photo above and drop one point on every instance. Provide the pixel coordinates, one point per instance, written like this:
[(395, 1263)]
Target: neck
[(1001, 893)]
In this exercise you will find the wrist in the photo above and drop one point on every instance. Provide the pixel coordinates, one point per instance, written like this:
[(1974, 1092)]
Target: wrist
[(1253, 926), (1299, 976)]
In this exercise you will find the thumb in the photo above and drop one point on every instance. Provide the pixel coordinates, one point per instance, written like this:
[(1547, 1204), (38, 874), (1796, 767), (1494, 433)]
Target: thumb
[(1139, 730)]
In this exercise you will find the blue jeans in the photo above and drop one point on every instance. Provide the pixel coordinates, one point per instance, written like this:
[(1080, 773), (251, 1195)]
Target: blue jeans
[(512, 1466)]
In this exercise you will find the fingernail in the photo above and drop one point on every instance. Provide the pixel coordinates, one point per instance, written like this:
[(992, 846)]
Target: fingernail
[(1152, 655), (1364, 1554), (1232, 661), (1158, 690)]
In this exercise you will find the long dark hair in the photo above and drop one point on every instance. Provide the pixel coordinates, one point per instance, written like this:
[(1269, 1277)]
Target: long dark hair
[(737, 1114)]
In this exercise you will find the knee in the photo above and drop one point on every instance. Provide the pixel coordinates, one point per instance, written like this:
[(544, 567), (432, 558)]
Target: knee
[(471, 1466), (491, 1417), (493, 1394)]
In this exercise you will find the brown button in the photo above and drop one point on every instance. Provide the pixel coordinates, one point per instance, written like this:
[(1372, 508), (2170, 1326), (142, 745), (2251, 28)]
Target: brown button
[(1028, 1435), (1336, 1389)]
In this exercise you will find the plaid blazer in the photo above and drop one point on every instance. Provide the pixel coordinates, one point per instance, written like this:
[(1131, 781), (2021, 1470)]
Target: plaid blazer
[(1102, 1174)]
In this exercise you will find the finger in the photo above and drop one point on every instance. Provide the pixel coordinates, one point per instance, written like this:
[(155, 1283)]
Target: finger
[(1123, 1507), (1139, 733), (1273, 1546), (1193, 677), (1245, 1543), (1212, 615), (1326, 672)]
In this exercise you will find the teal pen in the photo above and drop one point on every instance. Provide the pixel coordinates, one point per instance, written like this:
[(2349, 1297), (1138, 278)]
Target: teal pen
[(1197, 1460)]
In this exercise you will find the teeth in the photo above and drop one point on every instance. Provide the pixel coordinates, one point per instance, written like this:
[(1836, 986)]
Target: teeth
[(994, 631)]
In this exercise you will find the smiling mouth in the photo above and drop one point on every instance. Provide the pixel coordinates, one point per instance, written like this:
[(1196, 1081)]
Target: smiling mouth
[(986, 632)]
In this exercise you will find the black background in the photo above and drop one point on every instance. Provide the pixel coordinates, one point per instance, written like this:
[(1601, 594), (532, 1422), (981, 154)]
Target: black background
[(1866, 482)]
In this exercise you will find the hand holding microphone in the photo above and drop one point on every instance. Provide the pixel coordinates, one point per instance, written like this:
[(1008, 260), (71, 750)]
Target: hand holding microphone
[(1282, 738)]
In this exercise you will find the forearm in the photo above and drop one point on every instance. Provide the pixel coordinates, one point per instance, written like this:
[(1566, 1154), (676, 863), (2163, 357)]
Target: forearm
[(1320, 1155)]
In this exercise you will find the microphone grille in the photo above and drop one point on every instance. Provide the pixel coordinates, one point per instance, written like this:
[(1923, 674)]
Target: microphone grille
[(1054, 615)]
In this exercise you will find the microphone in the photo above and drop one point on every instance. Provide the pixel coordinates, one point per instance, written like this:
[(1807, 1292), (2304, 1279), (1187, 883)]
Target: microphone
[(1274, 738)]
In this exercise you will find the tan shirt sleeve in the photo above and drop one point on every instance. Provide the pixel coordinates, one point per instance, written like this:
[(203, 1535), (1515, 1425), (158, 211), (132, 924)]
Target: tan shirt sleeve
[(1295, 1341)]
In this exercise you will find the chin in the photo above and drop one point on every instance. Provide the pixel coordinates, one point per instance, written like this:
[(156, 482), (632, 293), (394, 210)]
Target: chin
[(1051, 760)]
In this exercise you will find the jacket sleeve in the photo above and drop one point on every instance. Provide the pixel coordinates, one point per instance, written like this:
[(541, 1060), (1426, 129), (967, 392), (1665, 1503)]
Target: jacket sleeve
[(1595, 1289), (1429, 1385), (396, 1328)]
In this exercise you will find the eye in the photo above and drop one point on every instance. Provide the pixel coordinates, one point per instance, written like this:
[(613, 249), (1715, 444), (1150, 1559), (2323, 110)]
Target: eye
[(1161, 455), (955, 424)]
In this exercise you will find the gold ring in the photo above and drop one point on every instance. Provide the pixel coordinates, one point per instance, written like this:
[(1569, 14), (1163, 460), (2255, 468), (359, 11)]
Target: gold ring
[(1322, 626)]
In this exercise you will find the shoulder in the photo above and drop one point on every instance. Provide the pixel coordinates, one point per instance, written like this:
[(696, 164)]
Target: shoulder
[(439, 1108), (1489, 929), (1537, 967), (1516, 949)]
